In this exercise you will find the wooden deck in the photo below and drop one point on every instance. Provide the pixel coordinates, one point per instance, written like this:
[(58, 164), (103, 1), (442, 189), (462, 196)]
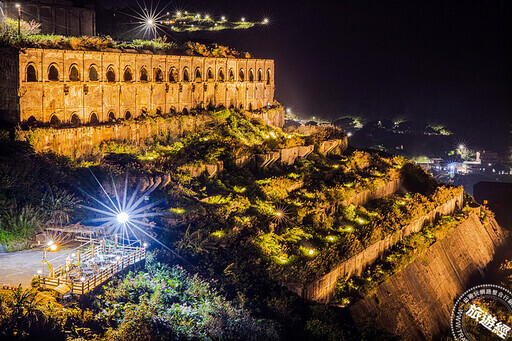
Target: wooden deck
[(120, 257)]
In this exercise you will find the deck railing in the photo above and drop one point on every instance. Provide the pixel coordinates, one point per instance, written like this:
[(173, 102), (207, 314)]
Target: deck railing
[(87, 283)]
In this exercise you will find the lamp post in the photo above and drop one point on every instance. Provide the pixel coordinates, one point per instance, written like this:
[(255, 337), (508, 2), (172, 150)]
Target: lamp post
[(50, 246), (18, 6), (151, 24)]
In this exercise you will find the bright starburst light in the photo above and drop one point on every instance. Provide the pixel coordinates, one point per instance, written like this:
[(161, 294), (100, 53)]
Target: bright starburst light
[(149, 20), (125, 214)]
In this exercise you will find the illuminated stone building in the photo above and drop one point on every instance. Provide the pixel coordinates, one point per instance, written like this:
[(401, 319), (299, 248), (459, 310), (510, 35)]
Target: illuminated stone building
[(81, 87)]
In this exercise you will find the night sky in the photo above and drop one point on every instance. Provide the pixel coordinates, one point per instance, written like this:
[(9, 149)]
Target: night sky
[(438, 61)]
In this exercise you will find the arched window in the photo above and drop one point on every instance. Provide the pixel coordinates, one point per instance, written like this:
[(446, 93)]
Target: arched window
[(209, 74), (221, 77), (31, 73), (53, 73), (260, 75), (159, 75), (128, 115), (128, 75), (173, 110), (94, 119), (251, 75), (31, 121), (143, 75), (75, 120), (198, 75), (231, 75), (241, 75), (111, 76), (186, 77), (268, 76), (54, 120), (173, 75), (74, 76), (111, 117), (93, 74)]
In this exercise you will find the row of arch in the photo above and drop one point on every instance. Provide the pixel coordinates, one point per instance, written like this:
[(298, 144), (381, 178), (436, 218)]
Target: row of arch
[(75, 119), (158, 76), (111, 116)]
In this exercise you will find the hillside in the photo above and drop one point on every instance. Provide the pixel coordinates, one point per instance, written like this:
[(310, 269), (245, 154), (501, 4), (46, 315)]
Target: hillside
[(251, 209)]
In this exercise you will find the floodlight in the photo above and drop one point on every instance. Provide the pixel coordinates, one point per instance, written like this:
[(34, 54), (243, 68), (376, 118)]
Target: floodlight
[(123, 217)]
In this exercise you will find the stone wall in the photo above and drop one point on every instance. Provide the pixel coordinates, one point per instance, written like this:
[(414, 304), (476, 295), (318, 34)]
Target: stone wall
[(56, 16), (322, 289), (129, 84), (82, 141), (288, 156), (363, 197), (416, 302), (9, 85)]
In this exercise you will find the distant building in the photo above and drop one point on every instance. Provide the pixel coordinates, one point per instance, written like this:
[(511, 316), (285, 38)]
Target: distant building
[(489, 158), (55, 16)]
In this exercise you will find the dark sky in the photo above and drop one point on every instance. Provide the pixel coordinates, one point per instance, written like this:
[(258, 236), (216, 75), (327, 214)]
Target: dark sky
[(446, 61)]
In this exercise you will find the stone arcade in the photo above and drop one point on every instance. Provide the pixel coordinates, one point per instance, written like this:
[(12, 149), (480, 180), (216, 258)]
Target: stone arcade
[(81, 87)]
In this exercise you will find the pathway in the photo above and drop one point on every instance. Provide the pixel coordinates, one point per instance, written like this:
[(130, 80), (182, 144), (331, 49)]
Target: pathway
[(19, 267)]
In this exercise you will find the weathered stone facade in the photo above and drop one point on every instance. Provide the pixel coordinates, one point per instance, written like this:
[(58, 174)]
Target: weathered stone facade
[(49, 85), (416, 302)]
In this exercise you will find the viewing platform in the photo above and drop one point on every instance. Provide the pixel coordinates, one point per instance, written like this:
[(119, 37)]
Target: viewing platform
[(90, 265)]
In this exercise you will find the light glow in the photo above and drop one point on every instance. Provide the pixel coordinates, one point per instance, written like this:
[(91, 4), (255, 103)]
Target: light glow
[(123, 217)]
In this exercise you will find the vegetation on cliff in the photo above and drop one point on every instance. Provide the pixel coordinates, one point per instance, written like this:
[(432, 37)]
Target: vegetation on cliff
[(250, 229), (35, 191), (160, 303), (30, 37), (399, 256)]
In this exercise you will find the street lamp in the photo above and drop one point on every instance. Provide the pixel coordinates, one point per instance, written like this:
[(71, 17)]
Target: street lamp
[(18, 6), (151, 23), (50, 246)]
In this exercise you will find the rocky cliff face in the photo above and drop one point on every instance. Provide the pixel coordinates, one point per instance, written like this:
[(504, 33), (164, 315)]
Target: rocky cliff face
[(416, 303)]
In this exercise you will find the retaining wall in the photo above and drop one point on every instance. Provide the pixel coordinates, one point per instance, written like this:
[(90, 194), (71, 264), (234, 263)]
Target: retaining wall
[(288, 156), (416, 302), (363, 197), (322, 289)]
